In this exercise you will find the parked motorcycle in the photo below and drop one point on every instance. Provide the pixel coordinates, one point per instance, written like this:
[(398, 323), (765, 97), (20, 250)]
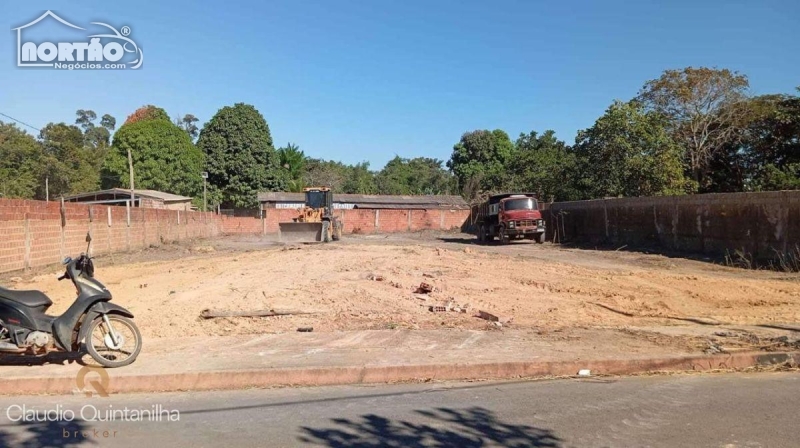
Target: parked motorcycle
[(92, 323)]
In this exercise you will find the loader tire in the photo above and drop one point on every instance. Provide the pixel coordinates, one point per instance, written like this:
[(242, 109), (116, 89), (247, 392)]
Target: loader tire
[(337, 230), (326, 231)]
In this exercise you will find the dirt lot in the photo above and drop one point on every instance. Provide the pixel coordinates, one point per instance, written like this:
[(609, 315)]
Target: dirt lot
[(368, 282)]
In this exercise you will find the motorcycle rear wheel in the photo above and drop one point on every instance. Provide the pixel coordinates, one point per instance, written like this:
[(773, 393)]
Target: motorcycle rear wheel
[(107, 352)]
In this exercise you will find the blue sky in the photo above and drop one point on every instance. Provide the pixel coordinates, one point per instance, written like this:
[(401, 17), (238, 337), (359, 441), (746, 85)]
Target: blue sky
[(365, 80)]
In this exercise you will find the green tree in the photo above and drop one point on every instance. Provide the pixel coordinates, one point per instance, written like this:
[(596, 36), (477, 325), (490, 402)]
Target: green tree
[(69, 165), (629, 152), (20, 162), (325, 173), (164, 158), (189, 124), (771, 144), (479, 161), (108, 122), (544, 165), (359, 179), (293, 160), (240, 158), (85, 119), (705, 111), (97, 137), (420, 175)]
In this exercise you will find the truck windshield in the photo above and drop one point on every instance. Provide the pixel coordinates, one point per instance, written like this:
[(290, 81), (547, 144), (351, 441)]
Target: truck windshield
[(520, 204)]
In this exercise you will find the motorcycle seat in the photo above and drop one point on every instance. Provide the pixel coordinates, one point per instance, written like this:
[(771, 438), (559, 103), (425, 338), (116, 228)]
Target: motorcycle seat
[(30, 299)]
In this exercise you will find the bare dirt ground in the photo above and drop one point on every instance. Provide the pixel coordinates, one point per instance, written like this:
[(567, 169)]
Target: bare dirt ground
[(368, 282)]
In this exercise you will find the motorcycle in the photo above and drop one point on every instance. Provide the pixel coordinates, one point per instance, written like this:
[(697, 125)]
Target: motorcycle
[(92, 323)]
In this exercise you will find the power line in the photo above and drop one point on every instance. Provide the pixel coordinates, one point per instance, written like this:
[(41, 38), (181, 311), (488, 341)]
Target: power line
[(21, 122)]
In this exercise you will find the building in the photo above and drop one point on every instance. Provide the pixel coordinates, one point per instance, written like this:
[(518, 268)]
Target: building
[(367, 201), (142, 198)]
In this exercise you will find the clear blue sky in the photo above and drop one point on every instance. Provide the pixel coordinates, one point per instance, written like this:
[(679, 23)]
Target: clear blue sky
[(365, 80)]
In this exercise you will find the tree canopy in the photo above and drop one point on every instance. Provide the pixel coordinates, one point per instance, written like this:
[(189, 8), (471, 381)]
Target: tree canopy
[(421, 175), (20, 163), (479, 160), (164, 158), (628, 152), (240, 158), (704, 108)]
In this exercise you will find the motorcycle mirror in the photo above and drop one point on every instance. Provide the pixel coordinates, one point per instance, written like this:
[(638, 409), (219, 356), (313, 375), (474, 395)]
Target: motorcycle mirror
[(88, 237)]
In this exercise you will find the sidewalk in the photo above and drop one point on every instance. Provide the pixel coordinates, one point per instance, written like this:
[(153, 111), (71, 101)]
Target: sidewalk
[(238, 362)]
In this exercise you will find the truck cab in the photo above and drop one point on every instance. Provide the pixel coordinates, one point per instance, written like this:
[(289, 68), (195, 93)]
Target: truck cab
[(511, 216)]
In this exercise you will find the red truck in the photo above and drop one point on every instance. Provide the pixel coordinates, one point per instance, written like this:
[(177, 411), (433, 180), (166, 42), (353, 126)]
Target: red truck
[(510, 216)]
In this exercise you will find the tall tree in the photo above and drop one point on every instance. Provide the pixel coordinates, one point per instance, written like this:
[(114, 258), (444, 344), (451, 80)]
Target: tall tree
[(20, 162), (629, 152), (544, 165), (68, 164), (480, 158), (97, 137), (108, 122), (359, 180), (85, 119), (293, 160), (325, 173), (147, 112), (163, 155), (771, 144), (240, 158), (704, 108), (189, 124), (420, 175)]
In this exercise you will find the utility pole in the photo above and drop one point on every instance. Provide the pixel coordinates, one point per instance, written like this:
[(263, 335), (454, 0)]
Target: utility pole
[(130, 171), (204, 175), (47, 189)]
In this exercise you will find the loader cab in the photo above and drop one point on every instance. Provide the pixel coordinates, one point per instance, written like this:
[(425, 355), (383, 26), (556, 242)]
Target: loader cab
[(320, 198)]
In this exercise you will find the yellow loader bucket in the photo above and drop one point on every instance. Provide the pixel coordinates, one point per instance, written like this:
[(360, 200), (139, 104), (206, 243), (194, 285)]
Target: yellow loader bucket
[(300, 232)]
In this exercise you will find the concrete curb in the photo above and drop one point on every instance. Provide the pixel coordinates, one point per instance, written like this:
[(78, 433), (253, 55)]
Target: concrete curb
[(325, 376)]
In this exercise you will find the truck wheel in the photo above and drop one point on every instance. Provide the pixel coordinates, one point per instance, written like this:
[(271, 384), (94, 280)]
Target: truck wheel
[(540, 238), (481, 233), (502, 236)]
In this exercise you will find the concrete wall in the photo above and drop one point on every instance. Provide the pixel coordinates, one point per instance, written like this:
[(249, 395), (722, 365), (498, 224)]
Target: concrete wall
[(758, 223), (37, 233)]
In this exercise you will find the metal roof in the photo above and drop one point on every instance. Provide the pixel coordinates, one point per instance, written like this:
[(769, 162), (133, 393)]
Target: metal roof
[(375, 200), (149, 194)]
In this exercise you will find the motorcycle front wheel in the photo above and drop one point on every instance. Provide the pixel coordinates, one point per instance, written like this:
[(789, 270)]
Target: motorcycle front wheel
[(116, 348)]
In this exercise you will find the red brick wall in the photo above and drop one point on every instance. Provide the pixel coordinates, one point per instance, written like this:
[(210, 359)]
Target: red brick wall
[(36, 233)]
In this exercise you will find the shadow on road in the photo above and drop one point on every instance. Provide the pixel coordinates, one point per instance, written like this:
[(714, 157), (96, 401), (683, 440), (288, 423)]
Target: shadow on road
[(55, 434), (443, 427), (61, 358)]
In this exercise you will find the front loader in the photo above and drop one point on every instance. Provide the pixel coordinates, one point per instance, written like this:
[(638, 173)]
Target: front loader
[(316, 222)]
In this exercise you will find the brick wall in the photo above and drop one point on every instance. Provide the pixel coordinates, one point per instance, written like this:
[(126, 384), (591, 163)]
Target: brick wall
[(36, 233), (39, 233), (757, 223)]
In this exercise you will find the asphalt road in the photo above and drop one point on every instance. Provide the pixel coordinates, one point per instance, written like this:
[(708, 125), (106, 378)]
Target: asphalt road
[(722, 410)]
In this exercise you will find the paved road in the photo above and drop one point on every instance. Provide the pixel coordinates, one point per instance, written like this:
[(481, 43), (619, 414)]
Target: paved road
[(730, 410)]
